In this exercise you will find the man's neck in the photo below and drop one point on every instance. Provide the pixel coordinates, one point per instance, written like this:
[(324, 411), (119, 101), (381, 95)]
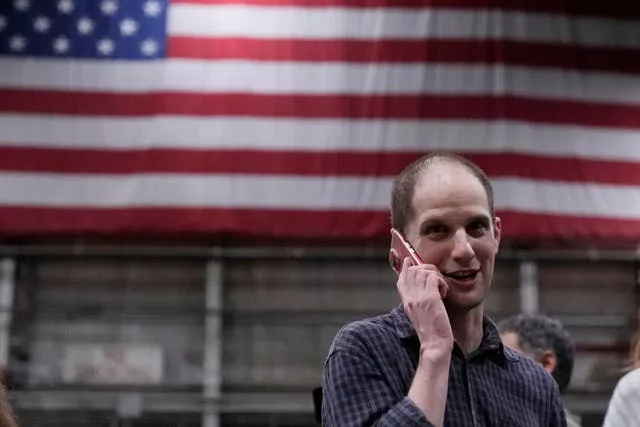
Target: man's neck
[(467, 329)]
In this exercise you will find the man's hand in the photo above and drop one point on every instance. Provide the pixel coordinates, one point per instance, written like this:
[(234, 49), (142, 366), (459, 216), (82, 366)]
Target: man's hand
[(422, 289)]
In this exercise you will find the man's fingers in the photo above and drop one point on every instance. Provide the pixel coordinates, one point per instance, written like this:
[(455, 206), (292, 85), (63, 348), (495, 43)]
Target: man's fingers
[(403, 277), (415, 279), (428, 267), (437, 283), (406, 263), (404, 271), (432, 281)]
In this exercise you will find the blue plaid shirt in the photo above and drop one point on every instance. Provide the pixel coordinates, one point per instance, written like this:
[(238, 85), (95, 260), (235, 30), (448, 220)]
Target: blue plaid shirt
[(371, 365)]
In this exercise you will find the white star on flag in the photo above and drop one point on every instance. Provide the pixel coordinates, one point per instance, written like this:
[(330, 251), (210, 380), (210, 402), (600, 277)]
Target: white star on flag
[(65, 6), (21, 5), (61, 45), (42, 24), (17, 43), (152, 8), (149, 47), (109, 7), (106, 47), (128, 27), (85, 25)]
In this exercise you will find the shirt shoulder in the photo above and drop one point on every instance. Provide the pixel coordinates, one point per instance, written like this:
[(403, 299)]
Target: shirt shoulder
[(533, 376), (533, 390), (629, 384), (359, 335), (622, 409)]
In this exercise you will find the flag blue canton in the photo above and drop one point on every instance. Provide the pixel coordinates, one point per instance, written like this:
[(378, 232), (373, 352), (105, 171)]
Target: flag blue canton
[(108, 29)]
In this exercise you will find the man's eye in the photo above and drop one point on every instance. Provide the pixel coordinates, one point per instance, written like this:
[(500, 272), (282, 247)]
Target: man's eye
[(478, 226), (436, 229)]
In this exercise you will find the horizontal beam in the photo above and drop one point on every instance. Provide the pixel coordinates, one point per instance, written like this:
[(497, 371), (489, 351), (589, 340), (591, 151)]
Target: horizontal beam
[(289, 252), (165, 402), (259, 403)]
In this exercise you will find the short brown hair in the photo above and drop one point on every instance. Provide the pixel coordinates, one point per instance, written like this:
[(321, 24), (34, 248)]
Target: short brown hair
[(404, 185)]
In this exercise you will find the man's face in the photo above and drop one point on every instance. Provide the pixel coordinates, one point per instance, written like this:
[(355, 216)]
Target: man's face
[(452, 229)]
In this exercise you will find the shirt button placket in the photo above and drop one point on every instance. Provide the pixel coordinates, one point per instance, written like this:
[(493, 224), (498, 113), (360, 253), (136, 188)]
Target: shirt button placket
[(468, 373)]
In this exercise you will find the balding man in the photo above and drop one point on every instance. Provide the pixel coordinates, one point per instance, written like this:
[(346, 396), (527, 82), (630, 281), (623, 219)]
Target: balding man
[(437, 359)]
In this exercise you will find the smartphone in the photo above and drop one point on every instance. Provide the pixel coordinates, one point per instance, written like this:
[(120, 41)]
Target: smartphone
[(401, 249)]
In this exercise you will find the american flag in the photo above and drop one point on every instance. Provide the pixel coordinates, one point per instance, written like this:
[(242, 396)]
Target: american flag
[(289, 118)]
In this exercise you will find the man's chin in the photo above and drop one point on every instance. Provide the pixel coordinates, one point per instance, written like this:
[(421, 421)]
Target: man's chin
[(463, 303)]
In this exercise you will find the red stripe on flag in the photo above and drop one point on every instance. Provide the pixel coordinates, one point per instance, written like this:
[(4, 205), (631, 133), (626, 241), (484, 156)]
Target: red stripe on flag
[(321, 106), (619, 60), (321, 225), (615, 9), (333, 163)]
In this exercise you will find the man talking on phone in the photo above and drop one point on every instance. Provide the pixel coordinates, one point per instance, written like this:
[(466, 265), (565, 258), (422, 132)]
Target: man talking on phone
[(436, 359)]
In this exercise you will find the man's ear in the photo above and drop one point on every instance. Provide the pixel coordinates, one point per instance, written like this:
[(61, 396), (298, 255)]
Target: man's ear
[(394, 260), (497, 229), (548, 360)]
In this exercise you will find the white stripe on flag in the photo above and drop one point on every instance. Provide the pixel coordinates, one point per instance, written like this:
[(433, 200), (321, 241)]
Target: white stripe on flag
[(382, 23), (294, 192), (322, 79), (317, 135)]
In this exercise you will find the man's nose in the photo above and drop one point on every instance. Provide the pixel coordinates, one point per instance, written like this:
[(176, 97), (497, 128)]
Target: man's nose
[(462, 249)]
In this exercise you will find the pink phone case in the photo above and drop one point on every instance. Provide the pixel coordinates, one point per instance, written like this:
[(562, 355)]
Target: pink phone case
[(401, 249)]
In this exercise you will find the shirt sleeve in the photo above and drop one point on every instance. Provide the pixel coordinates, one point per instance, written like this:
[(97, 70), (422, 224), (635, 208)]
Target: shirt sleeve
[(356, 395)]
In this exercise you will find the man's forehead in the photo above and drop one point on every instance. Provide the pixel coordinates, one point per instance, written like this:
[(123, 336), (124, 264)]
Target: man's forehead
[(445, 172), (448, 185), (453, 215)]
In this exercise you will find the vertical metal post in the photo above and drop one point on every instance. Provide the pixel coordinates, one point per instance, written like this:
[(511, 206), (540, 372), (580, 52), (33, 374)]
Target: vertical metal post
[(636, 315), (213, 344), (529, 288), (7, 287)]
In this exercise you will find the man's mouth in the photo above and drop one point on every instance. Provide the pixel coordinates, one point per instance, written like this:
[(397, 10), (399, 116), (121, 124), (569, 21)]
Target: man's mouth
[(463, 275)]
